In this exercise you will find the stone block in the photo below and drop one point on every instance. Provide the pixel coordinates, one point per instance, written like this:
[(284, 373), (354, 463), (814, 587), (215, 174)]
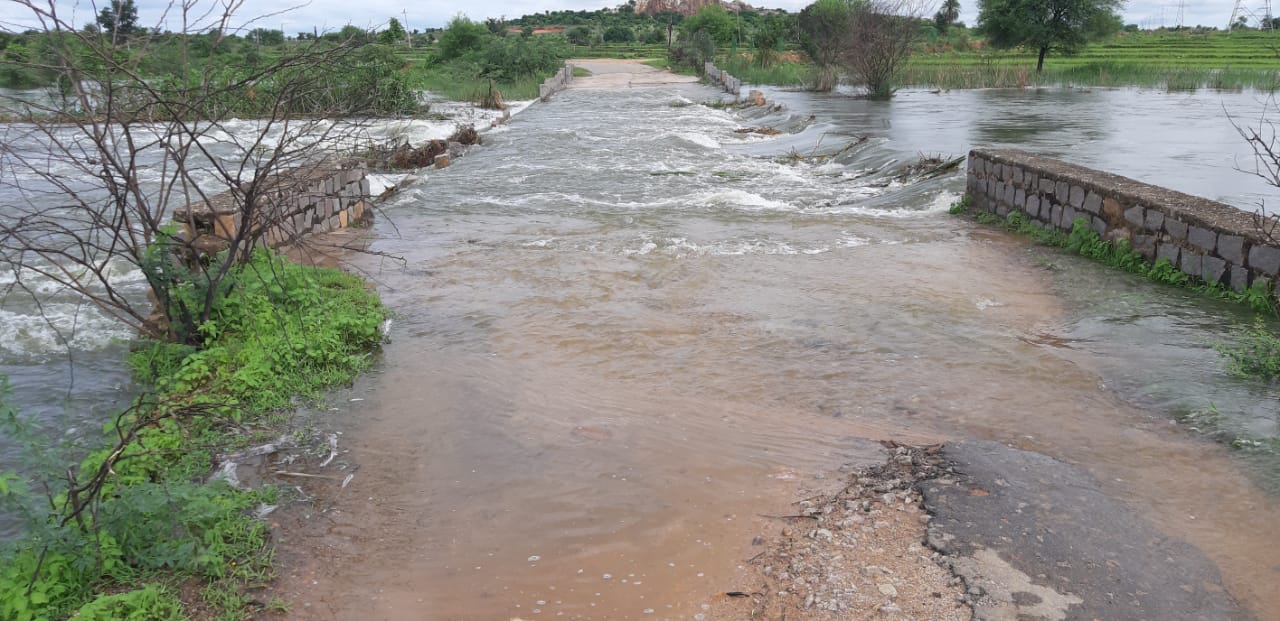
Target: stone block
[(357, 211), (1135, 216), (225, 225), (1006, 172), (1077, 196), (365, 186), (343, 218), (1055, 215), (1213, 269), (1231, 248), (1019, 198), (1061, 192), (1093, 203), (1068, 217), (1192, 264), (1046, 186), (1098, 225), (1030, 182), (991, 187), (1010, 194), (1265, 259), (1018, 175), (1111, 210), (1168, 251), (1002, 209), (1206, 239), (1155, 220), (1239, 278), (1176, 229), (1033, 206), (1145, 245)]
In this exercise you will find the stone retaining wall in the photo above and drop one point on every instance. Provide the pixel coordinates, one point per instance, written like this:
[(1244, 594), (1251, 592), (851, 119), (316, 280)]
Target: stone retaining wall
[(1205, 239), (729, 83), (301, 202), (556, 83)]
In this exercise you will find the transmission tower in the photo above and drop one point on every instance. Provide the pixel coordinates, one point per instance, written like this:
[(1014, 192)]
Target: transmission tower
[(1262, 15), (1182, 10), (1238, 10)]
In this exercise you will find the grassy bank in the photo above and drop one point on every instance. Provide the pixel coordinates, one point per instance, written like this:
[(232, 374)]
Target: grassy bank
[(1176, 60), (139, 530), (1253, 356), (1086, 242)]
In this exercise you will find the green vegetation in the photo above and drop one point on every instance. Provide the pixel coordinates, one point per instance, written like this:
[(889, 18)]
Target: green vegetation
[(119, 535), (208, 76), (1044, 25), (1257, 355), (1086, 242), (1170, 59), (470, 57), (781, 73)]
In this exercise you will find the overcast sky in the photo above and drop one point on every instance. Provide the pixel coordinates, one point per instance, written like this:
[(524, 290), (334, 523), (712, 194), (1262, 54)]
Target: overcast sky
[(334, 14)]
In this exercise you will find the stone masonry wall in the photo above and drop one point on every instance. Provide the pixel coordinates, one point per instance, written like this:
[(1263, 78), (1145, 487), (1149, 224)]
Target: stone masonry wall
[(321, 200), (730, 84), (1205, 239), (556, 83)]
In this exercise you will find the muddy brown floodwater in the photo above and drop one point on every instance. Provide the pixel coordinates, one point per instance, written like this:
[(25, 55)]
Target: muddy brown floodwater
[(602, 373)]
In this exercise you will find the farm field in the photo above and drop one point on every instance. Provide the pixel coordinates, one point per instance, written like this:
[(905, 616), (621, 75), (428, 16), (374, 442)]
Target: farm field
[(1185, 59)]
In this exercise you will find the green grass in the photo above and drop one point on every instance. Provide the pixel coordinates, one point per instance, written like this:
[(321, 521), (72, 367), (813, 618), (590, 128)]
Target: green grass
[(780, 74), (1086, 242), (463, 83), (285, 332), (1254, 356), (1179, 60)]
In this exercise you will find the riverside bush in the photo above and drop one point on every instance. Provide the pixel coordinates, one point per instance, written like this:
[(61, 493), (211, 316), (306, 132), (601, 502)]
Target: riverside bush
[(281, 331)]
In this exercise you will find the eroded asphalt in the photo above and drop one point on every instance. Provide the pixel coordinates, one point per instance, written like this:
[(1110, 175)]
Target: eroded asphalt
[(1034, 538)]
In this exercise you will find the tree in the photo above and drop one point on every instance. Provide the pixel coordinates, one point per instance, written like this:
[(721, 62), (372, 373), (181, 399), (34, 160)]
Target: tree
[(1264, 140), (118, 19), (578, 35), (497, 26), (947, 15), (94, 173), (824, 26), (619, 34), (767, 41), (1046, 25), (460, 37), (266, 36), (694, 51), (880, 39), (393, 34), (713, 19)]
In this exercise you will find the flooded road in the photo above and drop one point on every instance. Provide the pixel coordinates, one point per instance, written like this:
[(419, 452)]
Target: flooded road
[(625, 332)]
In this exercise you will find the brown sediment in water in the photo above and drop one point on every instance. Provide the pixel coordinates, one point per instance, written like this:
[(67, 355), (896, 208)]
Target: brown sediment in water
[(574, 462), (594, 436)]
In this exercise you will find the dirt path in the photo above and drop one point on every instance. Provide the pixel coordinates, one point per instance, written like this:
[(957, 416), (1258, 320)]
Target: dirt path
[(620, 73)]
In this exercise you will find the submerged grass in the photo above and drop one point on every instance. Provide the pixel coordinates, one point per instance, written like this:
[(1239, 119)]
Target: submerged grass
[(782, 73), (288, 331), (1253, 356)]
